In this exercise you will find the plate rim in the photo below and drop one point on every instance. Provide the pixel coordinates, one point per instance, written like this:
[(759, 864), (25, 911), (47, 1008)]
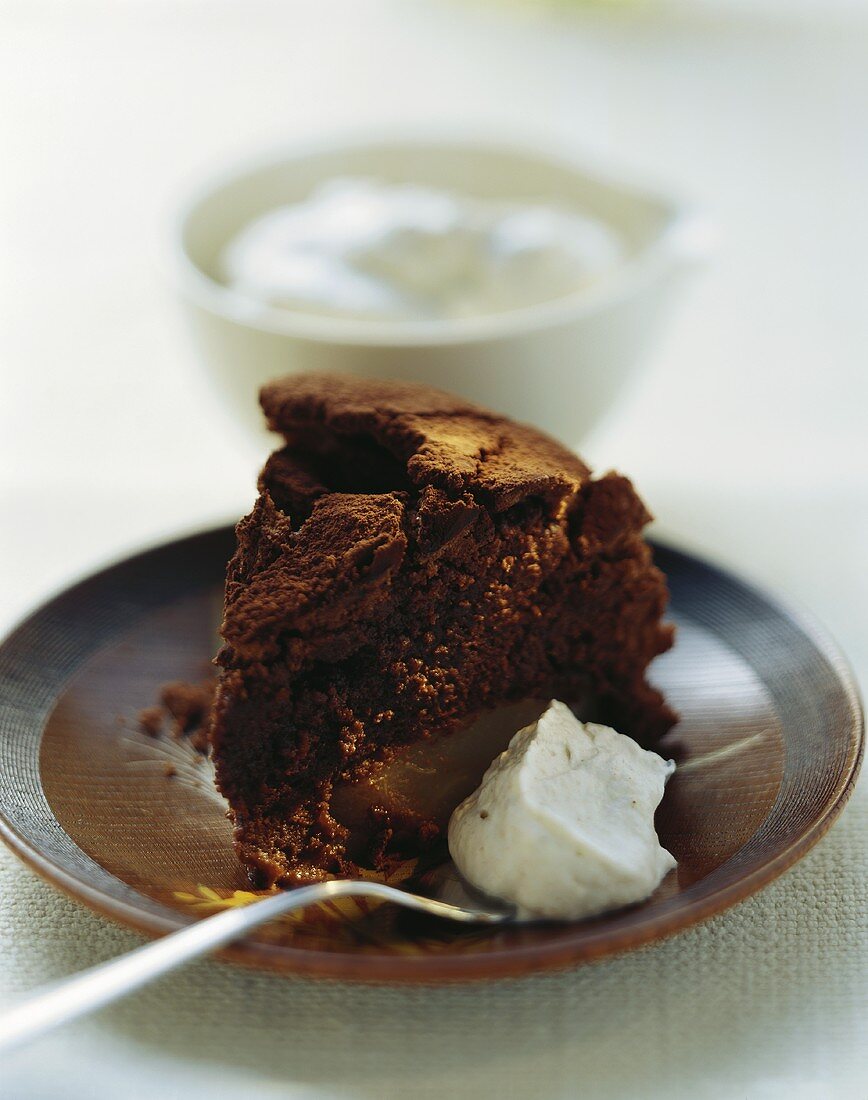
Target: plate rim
[(509, 961)]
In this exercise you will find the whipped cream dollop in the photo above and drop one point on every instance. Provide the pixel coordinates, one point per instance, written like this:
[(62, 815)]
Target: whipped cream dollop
[(562, 824), (367, 248)]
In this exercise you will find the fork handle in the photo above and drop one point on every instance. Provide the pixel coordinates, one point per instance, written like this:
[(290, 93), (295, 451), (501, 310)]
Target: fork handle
[(90, 990)]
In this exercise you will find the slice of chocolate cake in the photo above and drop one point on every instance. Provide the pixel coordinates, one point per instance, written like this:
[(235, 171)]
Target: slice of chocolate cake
[(417, 577)]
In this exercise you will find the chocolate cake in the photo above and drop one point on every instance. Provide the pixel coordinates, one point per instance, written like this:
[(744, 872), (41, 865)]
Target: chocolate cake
[(414, 567)]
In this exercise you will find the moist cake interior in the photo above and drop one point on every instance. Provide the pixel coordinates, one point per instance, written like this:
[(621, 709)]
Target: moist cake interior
[(425, 780)]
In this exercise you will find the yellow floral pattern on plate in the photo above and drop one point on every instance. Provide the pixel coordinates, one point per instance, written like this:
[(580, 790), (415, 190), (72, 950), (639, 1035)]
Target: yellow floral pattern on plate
[(354, 923)]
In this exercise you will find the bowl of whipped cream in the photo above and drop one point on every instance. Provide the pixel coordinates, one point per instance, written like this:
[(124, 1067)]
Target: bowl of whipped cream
[(509, 274)]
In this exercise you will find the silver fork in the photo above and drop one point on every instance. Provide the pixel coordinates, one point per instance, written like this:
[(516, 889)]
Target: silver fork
[(90, 990)]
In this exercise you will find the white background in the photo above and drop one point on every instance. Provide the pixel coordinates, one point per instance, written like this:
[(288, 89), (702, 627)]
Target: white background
[(746, 435)]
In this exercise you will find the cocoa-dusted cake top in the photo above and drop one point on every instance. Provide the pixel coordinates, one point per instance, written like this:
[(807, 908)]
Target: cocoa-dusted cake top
[(444, 441), (366, 464)]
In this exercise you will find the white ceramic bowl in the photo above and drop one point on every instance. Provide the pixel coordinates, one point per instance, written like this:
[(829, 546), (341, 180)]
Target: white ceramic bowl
[(559, 364)]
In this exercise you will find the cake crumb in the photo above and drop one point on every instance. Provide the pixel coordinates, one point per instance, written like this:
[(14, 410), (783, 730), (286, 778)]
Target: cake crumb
[(199, 739), (188, 704), (185, 708), (151, 721)]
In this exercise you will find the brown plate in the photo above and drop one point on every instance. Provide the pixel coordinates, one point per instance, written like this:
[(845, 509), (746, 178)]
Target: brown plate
[(768, 747)]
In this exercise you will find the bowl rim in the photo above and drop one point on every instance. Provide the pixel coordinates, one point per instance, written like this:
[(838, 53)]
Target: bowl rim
[(684, 240)]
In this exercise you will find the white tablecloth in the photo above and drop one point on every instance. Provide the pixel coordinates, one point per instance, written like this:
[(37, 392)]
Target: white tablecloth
[(746, 435)]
